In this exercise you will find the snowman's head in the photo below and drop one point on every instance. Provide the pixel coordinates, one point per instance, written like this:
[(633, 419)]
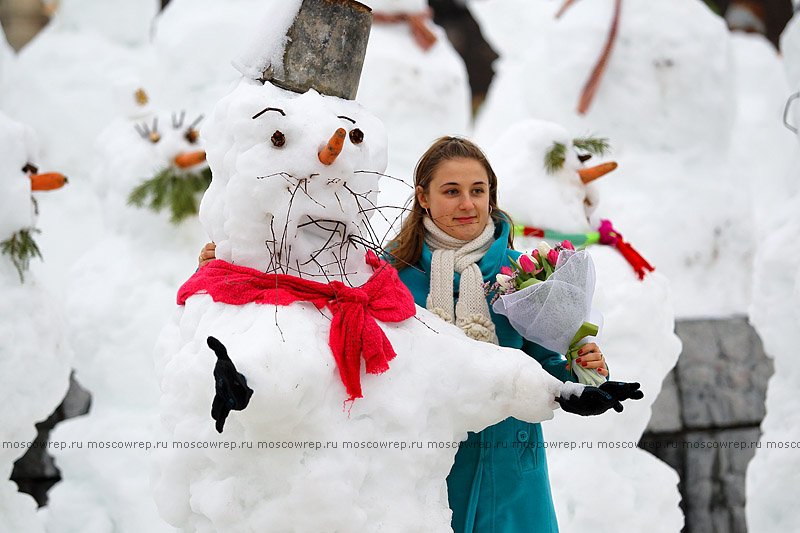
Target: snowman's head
[(543, 177), (154, 162), (281, 200), (19, 176)]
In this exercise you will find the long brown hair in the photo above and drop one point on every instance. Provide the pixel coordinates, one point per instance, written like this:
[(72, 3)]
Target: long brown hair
[(406, 248)]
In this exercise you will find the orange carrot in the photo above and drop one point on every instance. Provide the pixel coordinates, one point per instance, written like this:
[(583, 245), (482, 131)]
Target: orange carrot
[(190, 159), (334, 147), (592, 173), (47, 182)]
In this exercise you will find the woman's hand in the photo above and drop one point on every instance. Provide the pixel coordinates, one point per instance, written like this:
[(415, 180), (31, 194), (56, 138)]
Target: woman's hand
[(208, 254), (590, 356)]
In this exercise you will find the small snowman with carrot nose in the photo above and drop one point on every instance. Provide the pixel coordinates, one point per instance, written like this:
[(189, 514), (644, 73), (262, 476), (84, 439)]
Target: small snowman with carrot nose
[(34, 357), (149, 174)]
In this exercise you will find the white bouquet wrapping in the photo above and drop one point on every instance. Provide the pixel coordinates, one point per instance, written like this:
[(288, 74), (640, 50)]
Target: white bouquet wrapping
[(550, 302)]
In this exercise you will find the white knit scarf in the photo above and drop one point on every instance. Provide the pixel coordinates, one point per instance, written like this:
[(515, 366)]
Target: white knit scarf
[(450, 255)]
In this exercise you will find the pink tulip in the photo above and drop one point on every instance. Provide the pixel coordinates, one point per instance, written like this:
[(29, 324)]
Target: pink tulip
[(567, 245), (526, 263), (506, 271), (552, 256)]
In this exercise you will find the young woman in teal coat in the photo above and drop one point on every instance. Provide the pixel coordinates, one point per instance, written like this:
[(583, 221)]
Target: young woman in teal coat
[(455, 238)]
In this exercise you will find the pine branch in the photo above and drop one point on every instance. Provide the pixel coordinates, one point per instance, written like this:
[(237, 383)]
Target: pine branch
[(593, 145), (177, 190), (21, 248), (555, 157)]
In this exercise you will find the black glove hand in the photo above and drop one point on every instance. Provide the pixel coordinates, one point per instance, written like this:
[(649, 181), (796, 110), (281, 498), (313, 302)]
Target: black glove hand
[(622, 391), (598, 400), (232, 392)]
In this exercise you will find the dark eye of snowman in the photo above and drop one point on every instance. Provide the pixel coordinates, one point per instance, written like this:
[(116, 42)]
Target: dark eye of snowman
[(278, 138), (356, 136), (191, 135), (584, 157), (29, 168)]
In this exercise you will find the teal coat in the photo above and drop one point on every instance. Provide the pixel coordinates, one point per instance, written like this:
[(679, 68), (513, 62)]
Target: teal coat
[(502, 488)]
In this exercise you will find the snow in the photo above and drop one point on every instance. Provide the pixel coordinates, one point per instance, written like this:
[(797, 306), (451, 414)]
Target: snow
[(776, 287), (126, 280), (706, 173), (670, 114)]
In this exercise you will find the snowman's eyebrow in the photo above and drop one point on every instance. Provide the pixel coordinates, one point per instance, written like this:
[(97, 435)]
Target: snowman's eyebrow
[(269, 109), (347, 118)]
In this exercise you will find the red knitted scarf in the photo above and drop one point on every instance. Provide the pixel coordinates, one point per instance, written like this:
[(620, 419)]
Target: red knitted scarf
[(353, 330)]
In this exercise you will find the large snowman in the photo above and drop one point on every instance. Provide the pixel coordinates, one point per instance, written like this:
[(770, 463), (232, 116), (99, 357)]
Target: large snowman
[(117, 299), (321, 445), (34, 356), (546, 181), (775, 317)]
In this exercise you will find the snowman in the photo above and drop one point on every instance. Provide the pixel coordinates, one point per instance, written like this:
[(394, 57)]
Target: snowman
[(773, 314), (34, 357), (680, 193), (546, 180), (312, 442), (116, 298)]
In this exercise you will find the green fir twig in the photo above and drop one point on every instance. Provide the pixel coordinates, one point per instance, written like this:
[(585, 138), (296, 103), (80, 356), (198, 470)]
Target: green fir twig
[(555, 157), (21, 248), (592, 145), (174, 189)]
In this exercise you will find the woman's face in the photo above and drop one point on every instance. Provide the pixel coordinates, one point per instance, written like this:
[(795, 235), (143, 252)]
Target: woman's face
[(458, 198)]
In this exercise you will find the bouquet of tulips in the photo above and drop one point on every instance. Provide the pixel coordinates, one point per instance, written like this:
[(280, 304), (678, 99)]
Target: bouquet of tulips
[(546, 296)]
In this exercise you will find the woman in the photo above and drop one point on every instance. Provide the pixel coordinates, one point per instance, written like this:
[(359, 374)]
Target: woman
[(455, 238)]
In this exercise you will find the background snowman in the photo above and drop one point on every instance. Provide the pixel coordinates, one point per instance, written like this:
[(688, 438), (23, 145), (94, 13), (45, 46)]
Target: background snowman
[(774, 315), (295, 177), (682, 193), (126, 280), (547, 181), (34, 357)]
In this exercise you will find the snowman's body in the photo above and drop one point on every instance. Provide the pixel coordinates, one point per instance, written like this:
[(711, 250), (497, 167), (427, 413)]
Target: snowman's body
[(127, 279), (304, 460), (637, 336), (34, 357)]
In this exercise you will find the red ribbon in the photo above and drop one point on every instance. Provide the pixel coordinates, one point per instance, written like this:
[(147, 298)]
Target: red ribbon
[(354, 329), (610, 236)]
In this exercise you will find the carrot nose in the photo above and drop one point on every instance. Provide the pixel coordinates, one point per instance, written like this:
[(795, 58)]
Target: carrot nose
[(334, 147), (47, 181), (190, 159), (592, 173)]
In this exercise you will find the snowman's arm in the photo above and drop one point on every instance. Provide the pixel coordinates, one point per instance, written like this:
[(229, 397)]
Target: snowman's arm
[(554, 363)]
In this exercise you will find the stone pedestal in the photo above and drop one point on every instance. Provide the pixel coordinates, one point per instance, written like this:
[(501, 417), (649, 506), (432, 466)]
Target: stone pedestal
[(705, 422)]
